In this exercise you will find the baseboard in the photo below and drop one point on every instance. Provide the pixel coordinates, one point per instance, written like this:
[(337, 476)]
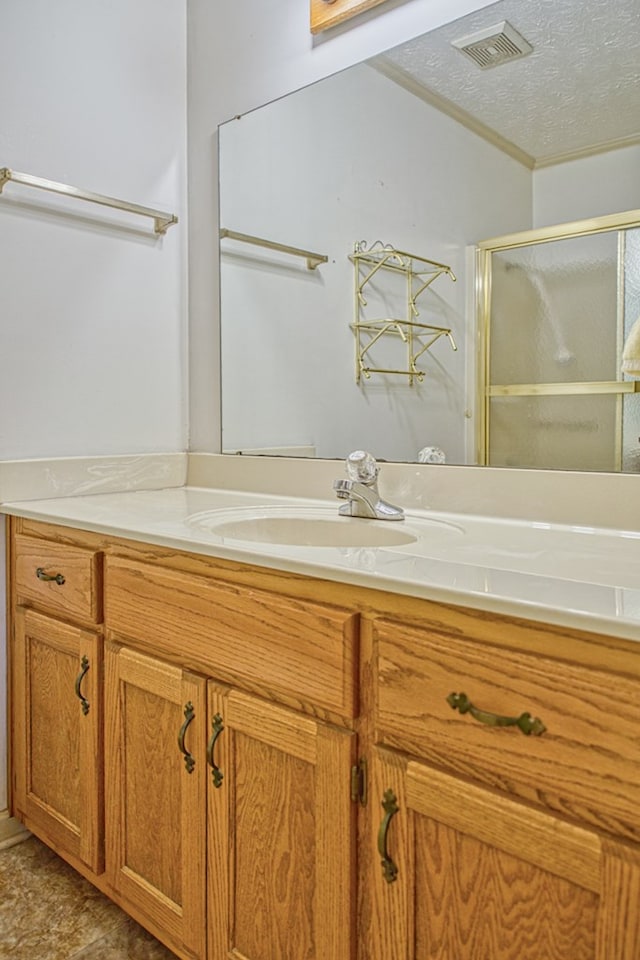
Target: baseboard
[(11, 830)]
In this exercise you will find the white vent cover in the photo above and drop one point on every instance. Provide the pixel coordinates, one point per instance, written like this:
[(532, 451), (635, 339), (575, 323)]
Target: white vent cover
[(494, 45)]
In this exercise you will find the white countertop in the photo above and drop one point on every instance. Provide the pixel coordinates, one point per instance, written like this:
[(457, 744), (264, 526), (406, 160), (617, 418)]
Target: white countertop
[(582, 577)]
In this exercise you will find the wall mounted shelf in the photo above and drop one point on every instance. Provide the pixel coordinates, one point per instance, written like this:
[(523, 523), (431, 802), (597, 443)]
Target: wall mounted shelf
[(419, 337), (162, 221)]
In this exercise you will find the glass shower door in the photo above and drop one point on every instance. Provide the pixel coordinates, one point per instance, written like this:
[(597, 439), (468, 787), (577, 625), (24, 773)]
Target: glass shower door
[(557, 312)]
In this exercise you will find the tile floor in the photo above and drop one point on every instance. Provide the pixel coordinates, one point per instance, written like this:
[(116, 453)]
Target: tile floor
[(49, 912)]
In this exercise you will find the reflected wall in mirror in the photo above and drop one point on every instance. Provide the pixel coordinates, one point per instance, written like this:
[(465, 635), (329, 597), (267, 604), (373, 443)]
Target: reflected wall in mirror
[(423, 150)]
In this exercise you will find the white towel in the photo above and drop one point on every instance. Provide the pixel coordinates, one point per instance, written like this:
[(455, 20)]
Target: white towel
[(631, 352), (431, 455)]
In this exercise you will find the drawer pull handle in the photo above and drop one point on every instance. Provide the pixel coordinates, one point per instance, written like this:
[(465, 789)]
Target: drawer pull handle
[(390, 807), (84, 663), (525, 722), (49, 577), (216, 729), (189, 714)]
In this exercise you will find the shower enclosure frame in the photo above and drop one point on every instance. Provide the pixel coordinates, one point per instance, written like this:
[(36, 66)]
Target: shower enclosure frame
[(485, 389)]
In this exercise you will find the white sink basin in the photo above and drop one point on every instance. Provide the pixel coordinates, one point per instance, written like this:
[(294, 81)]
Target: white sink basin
[(312, 533), (312, 527)]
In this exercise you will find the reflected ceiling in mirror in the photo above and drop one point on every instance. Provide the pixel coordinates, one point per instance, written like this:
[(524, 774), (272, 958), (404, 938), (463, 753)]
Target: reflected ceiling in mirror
[(423, 150)]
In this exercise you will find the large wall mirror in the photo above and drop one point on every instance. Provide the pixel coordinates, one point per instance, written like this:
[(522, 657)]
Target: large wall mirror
[(351, 213)]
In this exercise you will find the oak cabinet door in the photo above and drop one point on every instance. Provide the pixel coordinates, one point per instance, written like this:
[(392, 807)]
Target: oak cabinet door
[(57, 741), (465, 873), (281, 833), (155, 738)]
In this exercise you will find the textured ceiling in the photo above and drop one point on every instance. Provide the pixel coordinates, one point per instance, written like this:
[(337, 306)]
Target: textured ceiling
[(578, 90)]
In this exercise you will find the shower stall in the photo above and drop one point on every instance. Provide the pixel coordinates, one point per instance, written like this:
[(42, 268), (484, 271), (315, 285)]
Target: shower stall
[(555, 307)]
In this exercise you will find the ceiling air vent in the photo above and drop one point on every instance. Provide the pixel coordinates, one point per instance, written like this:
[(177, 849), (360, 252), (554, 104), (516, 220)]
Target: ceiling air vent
[(494, 45)]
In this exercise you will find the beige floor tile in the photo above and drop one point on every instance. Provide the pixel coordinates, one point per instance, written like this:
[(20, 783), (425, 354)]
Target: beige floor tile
[(49, 912), (129, 941)]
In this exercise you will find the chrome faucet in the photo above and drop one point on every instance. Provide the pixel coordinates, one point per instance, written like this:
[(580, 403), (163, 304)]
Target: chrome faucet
[(361, 490)]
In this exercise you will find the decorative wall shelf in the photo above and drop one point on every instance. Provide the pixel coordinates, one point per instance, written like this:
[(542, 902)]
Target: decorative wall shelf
[(419, 337)]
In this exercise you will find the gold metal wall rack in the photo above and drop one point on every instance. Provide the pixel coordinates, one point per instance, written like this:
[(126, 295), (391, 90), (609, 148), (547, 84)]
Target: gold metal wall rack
[(419, 337), (313, 259), (161, 221)]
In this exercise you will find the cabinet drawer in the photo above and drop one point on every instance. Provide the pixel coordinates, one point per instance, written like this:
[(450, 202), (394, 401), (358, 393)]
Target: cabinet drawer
[(585, 761), (62, 579), (280, 646)]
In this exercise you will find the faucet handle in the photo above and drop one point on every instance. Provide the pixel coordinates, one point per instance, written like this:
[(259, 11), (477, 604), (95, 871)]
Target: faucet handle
[(342, 488), (362, 467)]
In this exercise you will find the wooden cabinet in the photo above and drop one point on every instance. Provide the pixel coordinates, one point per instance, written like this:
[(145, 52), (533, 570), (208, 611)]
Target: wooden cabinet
[(263, 790), (64, 579), (471, 873), (458, 705), (155, 792), (286, 648), (56, 659), (504, 804), (58, 732), (499, 819), (281, 833)]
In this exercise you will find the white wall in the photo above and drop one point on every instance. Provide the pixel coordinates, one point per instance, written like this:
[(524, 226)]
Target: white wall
[(255, 53), (591, 187), (93, 308), (350, 158), (92, 345)]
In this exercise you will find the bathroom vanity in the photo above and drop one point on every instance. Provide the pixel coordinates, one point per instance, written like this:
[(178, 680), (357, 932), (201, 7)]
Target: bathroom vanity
[(258, 759)]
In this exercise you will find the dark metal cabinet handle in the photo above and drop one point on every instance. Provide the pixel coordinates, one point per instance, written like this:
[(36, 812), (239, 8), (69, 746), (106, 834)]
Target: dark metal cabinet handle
[(390, 807), (49, 577), (84, 664), (525, 722), (216, 729), (189, 714)]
